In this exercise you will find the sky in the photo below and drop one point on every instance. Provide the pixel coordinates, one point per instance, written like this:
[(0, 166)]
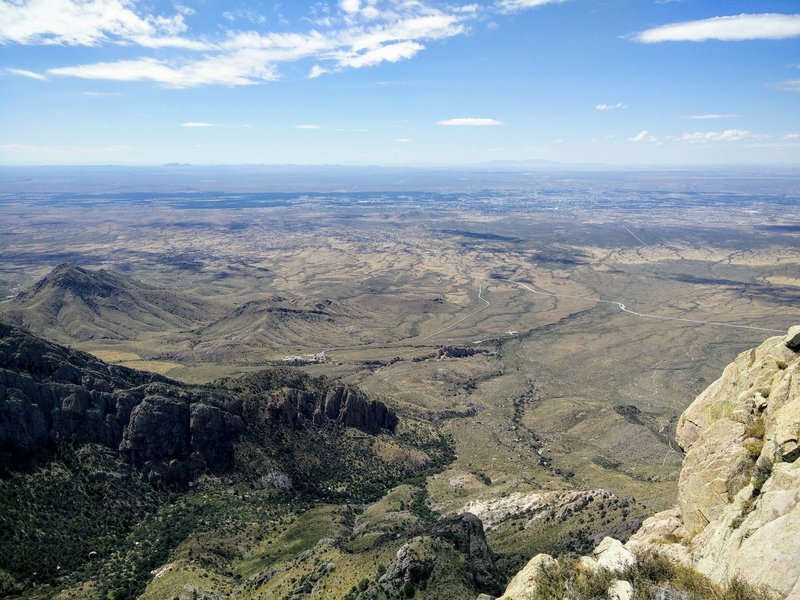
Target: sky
[(400, 82)]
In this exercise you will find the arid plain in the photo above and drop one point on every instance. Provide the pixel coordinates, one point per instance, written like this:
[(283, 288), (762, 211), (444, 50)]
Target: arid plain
[(554, 326)]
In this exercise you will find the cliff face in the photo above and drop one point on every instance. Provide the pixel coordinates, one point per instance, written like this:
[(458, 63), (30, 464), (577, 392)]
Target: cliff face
[(738, 512), (738, 507), (50, 395)]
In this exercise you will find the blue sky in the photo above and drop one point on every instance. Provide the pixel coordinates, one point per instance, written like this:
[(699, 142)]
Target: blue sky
[(420, 82)]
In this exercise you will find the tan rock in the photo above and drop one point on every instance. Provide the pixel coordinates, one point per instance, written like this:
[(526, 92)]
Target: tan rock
[(738, 514), (524, 584), (620, 590), (611, 555), (715, 468)]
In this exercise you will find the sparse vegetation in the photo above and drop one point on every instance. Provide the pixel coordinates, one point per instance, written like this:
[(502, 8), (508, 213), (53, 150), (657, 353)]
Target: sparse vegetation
[(652, 575)]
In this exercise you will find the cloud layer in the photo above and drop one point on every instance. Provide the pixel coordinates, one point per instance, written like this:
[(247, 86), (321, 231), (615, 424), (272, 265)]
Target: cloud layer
[(767, 26), (359, 35)]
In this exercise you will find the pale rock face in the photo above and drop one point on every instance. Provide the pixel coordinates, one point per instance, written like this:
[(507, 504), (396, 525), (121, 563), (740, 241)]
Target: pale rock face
[(739, 490), (620, 590), (523, 585), (610, 555)]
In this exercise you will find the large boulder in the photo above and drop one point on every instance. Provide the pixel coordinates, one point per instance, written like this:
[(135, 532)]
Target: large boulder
[(524, 585)]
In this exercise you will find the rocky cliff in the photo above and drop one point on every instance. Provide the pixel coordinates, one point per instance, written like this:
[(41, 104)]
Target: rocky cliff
[(738, 507), (51, 395), (738, 513)]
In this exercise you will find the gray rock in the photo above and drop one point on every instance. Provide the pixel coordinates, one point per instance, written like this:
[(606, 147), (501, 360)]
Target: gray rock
[(465, 533)]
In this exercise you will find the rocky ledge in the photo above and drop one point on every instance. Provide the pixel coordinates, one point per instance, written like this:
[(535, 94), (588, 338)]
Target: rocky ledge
[(738, 512), (51, 395)]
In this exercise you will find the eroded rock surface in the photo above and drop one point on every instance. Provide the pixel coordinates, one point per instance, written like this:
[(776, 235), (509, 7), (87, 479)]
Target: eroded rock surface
[(51, 395), (738, 507)]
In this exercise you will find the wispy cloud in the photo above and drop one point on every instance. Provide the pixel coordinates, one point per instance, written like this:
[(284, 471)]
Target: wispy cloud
[(359, 35), (643, 136), (729, 135), (766, 26), (353, 34), (516, 5), (91, 23), (403, 141), (26, 73), (469, 122), (713, 116), (790, 85), (199, 124), (792, 137), (307, 126), (617, 106), (101, 94)]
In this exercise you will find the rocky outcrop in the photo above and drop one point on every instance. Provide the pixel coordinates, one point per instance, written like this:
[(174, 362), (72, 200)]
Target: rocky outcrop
[(525, 584), (538, 505), (738, 510), (50, 395), (465, 533), (455, 544), (413, 564), (294, 399), (610, 555)]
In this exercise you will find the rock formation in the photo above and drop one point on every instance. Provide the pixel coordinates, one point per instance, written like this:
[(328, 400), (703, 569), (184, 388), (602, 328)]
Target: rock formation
[(738, 507), (51, 395), (738, 513)]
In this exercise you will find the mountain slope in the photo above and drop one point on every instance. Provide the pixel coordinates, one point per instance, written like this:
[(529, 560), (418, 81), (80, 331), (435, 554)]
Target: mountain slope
[(108, 473), (273, 323), (72, 304)]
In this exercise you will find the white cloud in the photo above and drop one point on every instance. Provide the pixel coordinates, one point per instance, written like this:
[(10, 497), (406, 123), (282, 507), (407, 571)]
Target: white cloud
[(316, 71), (26, 73), (239, 68), (617, 106), (198, 124), (470, 122), (307, 126), (350, 6), (767, 26), (515, 5), (713, 116), (363, 33), (792, 137), (403, 141), (387, 53), (101, 94), (790, 85), (643, 136), (90, 23), (368, 38), (729, 135)]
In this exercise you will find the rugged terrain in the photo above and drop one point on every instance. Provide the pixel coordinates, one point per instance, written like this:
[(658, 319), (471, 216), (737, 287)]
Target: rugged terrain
[(738, 510), (124, 447), (537, 342)]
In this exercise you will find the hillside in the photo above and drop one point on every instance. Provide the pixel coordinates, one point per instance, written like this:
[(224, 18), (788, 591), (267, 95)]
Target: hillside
[(273, 323), (73, 304), (99, 462)]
